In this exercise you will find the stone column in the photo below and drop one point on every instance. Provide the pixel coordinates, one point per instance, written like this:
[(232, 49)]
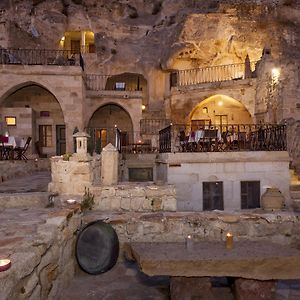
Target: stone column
[(109, 165)]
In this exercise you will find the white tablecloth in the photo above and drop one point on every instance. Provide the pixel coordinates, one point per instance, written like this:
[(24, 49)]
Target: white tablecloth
[(15, 141)]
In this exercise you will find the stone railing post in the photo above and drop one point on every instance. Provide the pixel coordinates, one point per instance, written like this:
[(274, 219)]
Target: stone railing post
[(109, 165)]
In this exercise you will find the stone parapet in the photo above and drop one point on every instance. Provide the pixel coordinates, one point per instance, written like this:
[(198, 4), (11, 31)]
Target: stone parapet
[(135, 197), (281, 227), (41, 250), (14, 168)]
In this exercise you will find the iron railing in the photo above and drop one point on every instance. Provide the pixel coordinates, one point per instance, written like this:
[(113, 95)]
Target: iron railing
[(38, 57), (153, 126), (126, 141), (241, 137), (212, 74)]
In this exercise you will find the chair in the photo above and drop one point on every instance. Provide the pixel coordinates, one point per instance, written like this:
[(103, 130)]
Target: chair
[(4, 151), (20, 151)]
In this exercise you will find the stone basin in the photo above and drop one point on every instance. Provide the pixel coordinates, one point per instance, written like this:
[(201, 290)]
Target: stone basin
[(259, 260)]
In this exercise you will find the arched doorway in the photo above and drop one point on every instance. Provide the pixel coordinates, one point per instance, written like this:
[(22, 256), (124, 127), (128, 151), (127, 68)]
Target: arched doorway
[(38, 114), (103, 125)]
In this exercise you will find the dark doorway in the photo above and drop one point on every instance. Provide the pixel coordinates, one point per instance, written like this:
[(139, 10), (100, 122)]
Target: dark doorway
[(213, 195), (60, 139)]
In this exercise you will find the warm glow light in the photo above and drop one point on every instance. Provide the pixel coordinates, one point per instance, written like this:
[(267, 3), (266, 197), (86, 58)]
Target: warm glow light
[(62, 39), (229, 240), (71, 201), (12, 121), (139, 141), (275, 72), (220, 103), (143, 107), (5, 264)]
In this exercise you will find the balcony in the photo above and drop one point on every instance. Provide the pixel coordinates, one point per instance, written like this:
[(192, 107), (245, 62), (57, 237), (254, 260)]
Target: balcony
[(223, 138), (110, 85), (213, 74), (39, 57)]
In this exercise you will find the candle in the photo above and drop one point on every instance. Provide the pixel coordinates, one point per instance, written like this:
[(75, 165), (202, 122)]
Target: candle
[(5, 264), (229, 240), (189, 242)]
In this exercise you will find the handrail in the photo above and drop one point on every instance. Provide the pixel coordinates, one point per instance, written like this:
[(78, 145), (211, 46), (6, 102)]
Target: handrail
[(216, 138), (38, 57), (213, 74)]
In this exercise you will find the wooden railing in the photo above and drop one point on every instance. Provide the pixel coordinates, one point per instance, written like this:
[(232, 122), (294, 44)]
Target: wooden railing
[(241, 137), (39, 57), (213, 74)]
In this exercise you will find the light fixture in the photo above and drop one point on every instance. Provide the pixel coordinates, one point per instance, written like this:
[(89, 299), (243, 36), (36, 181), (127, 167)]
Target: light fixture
[(62, 39), (143, 107), (220, 103), (275, 72), (205, 110), (5, 264)]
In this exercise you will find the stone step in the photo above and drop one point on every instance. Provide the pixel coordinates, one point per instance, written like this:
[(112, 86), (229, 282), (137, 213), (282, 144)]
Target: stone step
[(294, 187), (295, 194), (14, 200)]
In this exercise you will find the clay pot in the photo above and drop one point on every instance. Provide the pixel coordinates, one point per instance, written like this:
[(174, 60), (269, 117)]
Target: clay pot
[(272, 199)]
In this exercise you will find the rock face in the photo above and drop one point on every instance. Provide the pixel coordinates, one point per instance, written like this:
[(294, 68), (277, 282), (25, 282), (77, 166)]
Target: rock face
[(193, 32)]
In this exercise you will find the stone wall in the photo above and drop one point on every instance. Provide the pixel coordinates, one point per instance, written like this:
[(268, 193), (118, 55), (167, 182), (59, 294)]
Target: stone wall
[(41, 252), (11, 169), (73, 176), (135, 197), (281, 227), (188, 171)]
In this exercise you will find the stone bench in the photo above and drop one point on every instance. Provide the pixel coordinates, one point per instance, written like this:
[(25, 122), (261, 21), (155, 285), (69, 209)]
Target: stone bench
[(191, 267)]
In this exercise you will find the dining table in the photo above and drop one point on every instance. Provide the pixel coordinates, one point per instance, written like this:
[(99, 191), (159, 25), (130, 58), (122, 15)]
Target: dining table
[(9, 144)]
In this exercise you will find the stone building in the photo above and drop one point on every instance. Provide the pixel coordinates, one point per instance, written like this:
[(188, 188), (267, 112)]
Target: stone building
[(122, 71)]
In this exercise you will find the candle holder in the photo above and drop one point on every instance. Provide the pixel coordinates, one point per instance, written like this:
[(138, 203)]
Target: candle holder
[(229, 241), (5, 264), (189, 243)]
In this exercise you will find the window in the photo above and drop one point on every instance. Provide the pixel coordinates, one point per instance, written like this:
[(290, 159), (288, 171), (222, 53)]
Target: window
[(250, 194), (45, 135), (11, 121), (44, 113), (213, 195), (120, 86)]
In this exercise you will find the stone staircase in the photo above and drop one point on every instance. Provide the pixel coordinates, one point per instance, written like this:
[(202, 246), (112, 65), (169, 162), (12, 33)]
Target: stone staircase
[(295, 190)]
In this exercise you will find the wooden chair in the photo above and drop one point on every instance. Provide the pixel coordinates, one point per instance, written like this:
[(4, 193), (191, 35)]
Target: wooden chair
[(20, 151)]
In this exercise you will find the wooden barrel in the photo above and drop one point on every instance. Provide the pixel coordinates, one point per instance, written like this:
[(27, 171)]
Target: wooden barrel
[(97, 247)]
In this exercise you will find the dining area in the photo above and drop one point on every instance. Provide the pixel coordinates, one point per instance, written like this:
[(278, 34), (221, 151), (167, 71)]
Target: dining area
[(13, 147)]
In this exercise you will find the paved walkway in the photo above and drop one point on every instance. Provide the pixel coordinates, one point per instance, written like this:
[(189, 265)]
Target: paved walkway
[(35, 182)]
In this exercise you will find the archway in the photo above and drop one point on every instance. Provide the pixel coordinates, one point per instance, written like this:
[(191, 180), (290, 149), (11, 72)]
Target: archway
[(104, 123), (38, 114), (220, 110)]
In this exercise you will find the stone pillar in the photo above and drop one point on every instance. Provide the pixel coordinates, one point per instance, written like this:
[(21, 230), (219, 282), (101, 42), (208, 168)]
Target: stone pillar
[(109, 165)]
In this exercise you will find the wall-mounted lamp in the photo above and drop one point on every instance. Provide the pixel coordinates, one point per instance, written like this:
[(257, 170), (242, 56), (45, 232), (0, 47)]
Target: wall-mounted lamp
[(220, 103), (143, 107), (275, 72)]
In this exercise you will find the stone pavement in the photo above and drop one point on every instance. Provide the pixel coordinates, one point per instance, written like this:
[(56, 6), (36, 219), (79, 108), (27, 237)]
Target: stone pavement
[(35, 182), (122, 282)]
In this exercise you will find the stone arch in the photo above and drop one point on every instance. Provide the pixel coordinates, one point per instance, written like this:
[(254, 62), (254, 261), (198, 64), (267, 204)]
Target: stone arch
[(17, 86), (103, 122), (221, 108), (39, 114)]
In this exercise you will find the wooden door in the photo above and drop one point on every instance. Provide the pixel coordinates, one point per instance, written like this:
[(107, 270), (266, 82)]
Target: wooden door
[(60, 139)]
